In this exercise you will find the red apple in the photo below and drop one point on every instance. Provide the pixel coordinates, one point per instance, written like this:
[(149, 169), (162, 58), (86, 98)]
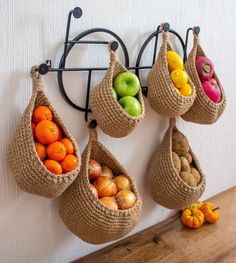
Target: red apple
[(212, 90), (205, 68)]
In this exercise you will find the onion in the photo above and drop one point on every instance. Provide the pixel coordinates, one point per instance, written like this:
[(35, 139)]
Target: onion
[(122, 182), (105, 186), (106, 171), (94, 169), (125, 199), (109, 202), (94, 190)]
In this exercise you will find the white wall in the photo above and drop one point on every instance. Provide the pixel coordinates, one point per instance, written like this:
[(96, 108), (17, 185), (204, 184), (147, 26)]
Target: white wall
[(32, 31)]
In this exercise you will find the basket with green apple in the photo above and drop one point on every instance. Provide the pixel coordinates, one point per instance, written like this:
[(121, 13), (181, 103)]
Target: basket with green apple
[(117, 102)]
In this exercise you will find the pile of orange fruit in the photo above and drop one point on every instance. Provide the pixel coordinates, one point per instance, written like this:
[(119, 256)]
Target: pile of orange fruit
[(54, 150)]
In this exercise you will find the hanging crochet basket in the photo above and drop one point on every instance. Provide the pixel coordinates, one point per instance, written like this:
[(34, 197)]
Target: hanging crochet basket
[(162, 94), (84, 214), (203, 110), (29, 171), (166, 186), (110, 116)]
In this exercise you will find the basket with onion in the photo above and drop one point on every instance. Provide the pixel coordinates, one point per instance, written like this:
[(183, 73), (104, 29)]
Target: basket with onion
[(102, 204)]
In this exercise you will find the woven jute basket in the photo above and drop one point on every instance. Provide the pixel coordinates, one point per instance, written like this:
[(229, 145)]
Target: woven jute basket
[(162, 94), (29, 171), (203, 110), (84, 214), (166, 186), (110, 116)]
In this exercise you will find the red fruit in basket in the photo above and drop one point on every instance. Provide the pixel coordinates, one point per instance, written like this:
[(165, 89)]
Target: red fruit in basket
[(212, 90), (105, 186), (41, 113), (205, 68), (41, 150), (46, 132), (94, 169)]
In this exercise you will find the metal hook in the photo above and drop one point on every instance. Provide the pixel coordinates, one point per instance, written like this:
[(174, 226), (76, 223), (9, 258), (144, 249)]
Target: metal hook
[(196, 31)]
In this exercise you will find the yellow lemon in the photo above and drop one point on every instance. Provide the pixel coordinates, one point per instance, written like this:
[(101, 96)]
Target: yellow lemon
[(186, 90), (174, 61), (179, 77)]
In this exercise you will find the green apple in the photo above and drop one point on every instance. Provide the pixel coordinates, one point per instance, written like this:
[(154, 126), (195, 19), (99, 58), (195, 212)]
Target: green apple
[(114, 93), (131, 105), (126, 84)]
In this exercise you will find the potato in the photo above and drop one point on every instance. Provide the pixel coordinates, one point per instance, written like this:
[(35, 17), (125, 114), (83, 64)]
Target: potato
[(176, 161), (184, 165), (179, 143), (188, 178), (189, 157), (196, 174)]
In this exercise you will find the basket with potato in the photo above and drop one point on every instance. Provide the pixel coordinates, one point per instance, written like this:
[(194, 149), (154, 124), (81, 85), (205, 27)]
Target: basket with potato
[(174, 175)]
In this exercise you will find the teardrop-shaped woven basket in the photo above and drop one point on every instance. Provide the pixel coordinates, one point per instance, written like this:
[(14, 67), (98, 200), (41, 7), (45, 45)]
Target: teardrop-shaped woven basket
[(162, 94), (84, 214), (29, 171), (166, 186), (203, 110), (110, 116)]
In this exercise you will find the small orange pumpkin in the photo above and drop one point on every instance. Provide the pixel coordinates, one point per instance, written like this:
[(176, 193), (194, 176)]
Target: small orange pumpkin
[(211, 214), (192, 218)]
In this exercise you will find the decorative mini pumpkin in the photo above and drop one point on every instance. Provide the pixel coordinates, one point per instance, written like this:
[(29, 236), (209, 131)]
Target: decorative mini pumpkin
[(192, 218), (211, 214), (196, 205)]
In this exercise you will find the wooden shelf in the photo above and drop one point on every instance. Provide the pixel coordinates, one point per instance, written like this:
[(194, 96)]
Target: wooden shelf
[(170, 242)]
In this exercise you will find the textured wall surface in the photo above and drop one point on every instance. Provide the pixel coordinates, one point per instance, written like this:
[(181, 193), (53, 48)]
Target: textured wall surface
[(32, 31)]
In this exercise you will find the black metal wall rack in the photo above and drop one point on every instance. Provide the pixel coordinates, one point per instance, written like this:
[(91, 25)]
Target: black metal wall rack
[(69, 44)]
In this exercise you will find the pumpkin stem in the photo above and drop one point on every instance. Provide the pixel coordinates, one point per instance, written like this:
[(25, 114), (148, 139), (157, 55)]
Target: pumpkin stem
[(217, 208)]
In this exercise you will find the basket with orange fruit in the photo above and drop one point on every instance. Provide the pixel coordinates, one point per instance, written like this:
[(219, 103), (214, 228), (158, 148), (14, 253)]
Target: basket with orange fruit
[(42, 155), (170, 91)]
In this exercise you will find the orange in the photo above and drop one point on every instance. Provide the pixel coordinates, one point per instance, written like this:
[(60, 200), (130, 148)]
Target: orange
[(46, 132), (59, 135), (53, 166), (41, 113), (68, 144), (69, 163), (41, 150), (56, 151), (33, 128)]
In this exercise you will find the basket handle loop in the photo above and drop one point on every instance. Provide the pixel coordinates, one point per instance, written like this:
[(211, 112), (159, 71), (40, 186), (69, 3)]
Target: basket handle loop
[(195, 37), (113, 55), (36, 79), (165, 35), (92, 124), (172, 122)]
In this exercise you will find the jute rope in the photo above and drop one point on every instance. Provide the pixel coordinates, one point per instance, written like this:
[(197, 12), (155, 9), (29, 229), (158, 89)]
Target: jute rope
[(110, 116), (84, 214), (166, 186), (203, 110), (162, 95), (29, 172)]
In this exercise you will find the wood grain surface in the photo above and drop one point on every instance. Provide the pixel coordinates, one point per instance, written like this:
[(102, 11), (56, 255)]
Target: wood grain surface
[(169, 241)]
